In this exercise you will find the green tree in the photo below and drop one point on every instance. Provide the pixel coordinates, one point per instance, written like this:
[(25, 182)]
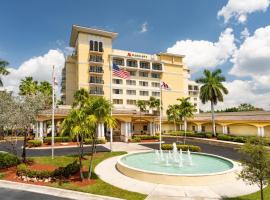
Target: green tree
[(45, 88), (173, 114), (212, 90), (256, 163), (154, 103), (142, 105), (80, 97), (186, 110), (3, 70), (28, 86)]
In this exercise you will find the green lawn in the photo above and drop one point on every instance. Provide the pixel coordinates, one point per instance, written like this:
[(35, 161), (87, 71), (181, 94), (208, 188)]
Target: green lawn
[(100, 187), (1, 176), (253, 196)]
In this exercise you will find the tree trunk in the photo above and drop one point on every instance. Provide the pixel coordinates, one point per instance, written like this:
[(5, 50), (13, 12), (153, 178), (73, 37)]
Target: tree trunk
[(174, 125), (80, 159), (213, 119), (24, 147), (92, 157), (185, 127), (261, 190)]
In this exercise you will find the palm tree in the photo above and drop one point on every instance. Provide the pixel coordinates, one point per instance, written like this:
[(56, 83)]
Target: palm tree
[(3, 70), (141, 104), (28, 86), (154, 104), (212, 90), (173, 114), (80, 97), (45, 88), (186, 110)]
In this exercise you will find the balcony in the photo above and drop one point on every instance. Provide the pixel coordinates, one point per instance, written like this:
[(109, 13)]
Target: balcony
[(157, 67), (96, 71), (193, 93), (96, 92), (96, 81)]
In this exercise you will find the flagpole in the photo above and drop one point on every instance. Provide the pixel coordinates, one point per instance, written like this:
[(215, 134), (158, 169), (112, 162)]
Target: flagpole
[(160, 116), (111, 129), (52, 145)]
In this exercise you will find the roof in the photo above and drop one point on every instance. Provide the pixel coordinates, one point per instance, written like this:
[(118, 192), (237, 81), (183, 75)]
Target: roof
[(170, 54), (81, 29), (234, 116)]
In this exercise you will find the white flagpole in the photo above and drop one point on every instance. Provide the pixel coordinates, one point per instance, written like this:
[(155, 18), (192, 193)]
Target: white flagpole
[(53, 82), (160, 116), (111, 129)]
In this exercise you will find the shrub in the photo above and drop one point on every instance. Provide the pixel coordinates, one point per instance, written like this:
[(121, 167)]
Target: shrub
[(136, 139), (8, 160), (67, 171), (146, 137), (48, 140), (225, 137), (23, 170), (34, 143), (190, 134), (239, 139), (181, 146), (99, 141)]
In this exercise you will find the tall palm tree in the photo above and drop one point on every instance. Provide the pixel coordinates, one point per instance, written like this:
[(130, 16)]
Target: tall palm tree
[(3, 70), (186, 110), (28, 86), (80, 97), (45, 88), (154, 105), (212, 90), (173, 114), (141, 104)]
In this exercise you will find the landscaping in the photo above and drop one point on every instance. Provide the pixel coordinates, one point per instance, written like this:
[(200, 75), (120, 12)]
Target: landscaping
[(253, 196), (181, 146), (189, 134), (144, 138), (63, 172)]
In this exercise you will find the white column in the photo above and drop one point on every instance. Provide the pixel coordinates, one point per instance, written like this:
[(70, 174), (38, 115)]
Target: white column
[(259, 131), (225, 129), (40, 129), (100, 130), (199, 128), (154, 129), (37, 130), (151, 128), (44, 128)]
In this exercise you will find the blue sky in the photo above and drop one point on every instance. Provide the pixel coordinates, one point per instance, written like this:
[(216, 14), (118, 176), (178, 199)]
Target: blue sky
[(32, 28)]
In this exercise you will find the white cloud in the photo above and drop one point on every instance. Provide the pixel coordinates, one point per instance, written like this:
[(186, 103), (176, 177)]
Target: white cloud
[(144, 27), (203, 53), (252, 59), (245, 33), (239, 9), (40, 68)]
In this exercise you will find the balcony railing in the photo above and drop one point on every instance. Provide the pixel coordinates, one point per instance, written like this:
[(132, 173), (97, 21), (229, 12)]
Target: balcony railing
[(154, 67), (96, 81), (96, 92), (96, 71), (145, 67)]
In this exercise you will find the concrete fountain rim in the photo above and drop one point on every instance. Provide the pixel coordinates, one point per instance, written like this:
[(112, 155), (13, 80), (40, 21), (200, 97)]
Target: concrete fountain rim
[(234, 164)]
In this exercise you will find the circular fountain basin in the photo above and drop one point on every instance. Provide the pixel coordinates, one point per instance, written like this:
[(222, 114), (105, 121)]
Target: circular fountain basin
[(204, 168)]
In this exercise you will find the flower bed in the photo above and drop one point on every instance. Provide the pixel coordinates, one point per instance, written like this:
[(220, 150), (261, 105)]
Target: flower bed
[(192, 148)]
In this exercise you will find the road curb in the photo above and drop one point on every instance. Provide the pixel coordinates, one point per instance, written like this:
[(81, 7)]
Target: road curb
[(69, 194)]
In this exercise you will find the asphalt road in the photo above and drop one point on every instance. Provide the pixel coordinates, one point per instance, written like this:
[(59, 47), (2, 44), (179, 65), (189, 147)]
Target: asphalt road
[(9, 194)]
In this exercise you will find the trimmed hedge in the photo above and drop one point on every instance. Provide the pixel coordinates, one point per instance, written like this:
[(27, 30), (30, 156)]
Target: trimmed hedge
[(190, 134), (240, 139), (61, 172), (135, 140), (99, 141), (34, 143), (146, 137), (48, 140), (181, 146), (8, 160)]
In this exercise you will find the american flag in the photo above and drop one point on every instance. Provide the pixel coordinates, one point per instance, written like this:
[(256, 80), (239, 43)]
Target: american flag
[(120, 73), (164, 86)]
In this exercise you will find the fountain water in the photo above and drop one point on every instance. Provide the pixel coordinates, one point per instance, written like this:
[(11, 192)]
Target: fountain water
[(189, 158)]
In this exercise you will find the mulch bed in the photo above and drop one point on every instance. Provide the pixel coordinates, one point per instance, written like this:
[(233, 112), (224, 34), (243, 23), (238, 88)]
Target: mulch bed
[(60, 144)]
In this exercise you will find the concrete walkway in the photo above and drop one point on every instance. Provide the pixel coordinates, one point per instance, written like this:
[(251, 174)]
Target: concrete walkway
[(229, 188), (67, 194), (128, 147)]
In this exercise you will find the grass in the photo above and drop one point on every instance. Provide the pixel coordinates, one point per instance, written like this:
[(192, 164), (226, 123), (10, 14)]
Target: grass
[(1, 176), (253, 196), (99, 187)]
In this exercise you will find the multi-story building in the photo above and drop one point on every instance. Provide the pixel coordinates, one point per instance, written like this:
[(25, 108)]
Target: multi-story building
[(193, 92)]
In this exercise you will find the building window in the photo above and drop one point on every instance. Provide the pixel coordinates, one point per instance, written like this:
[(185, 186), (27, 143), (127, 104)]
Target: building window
[(144, 93), (156, 66), (117, 81), (118, 61), (131, 82), (145, 127), (155, 75), (195, 99), (155, 84), (144, 65), (132, 63), (96, 46), (131, 102), (96, 69), (91, 45), (117, 101), (96, 79), (156, 94), (96, 58), (193, 128), (96, 90), (143, 83), (143, 74), (195, 104), (196, 87), (190, 87), (117, 91), (203, 128), (100, 47), (132, 73), (131, 92)]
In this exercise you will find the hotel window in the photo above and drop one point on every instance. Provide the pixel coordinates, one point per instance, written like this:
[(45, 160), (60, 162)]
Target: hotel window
[(156, 66), (96, 46), (155, 94), (155, 84), (144, 65), (132, 73), (96, 69), (131, 92), (190, 87), (117, 81), (117, 101), (96, 58), (195, 99), (144, 93), (132, 63), (195, 104), (131, 82), (196, 87), (118, 61), (100, 47), (91, 45), (117, 91), (143, 83), (131, 102), (203, 128), (143, 74), (96, 79), (154, 75), (96, 90)]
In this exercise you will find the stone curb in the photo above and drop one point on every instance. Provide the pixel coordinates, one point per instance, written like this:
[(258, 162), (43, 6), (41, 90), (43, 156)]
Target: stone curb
[(69, 194), (62, 147)]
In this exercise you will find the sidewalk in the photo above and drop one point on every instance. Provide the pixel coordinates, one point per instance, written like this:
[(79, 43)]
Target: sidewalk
[(69, 194)]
